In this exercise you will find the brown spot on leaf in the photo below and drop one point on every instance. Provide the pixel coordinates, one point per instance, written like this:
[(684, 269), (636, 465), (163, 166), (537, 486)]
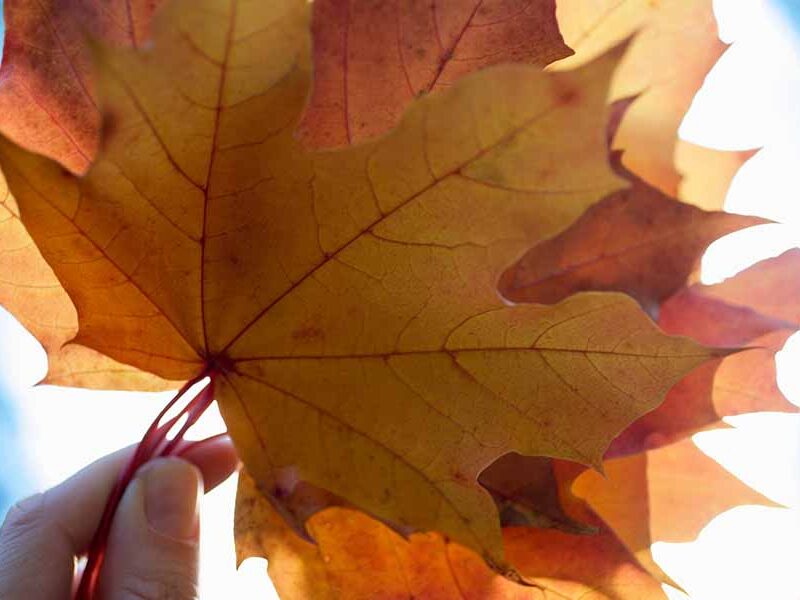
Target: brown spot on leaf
[(110, 124), (568, 96), (462, 478), (308, 333)]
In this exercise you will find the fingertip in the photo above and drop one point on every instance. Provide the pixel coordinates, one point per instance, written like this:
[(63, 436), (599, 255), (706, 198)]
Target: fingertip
[(216, 458), (153, 544)]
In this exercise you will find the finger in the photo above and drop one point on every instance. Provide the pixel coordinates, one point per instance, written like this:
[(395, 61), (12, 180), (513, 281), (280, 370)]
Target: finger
[(42, 534), (36, 558), (215, 457), (153, 545)]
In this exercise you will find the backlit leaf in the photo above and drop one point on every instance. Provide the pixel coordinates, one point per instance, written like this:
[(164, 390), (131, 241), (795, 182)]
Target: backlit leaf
[(356, 557), (32, 292), (667, 63), (675, 46), (772, 287), (663, 495), (372, 58), (591, 28), (526, 491), (741, 383), (346, 302), (47, 95), (638, 241), (706, 174)]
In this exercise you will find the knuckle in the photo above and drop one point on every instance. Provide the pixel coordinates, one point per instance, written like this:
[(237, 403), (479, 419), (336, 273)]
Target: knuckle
[(158, 586), (24, 516)]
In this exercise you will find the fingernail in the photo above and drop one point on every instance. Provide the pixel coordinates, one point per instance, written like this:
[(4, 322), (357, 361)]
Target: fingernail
[(172, 490)]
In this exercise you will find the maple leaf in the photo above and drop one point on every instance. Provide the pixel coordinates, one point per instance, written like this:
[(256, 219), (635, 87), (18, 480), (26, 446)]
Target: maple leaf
[(32, 293), (706, 174), (524, 489), (663, 495), (47, 97), (770, 287), (741, 383), (737, 384), (361, 88), (345, 303), (591, 28), (637, 240), (704, 314), (526, 492), (354, 556), (675, 46), (668, 61)]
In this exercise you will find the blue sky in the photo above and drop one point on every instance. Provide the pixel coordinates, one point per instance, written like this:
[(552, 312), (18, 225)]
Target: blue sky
[(789, 8), (8, 442)]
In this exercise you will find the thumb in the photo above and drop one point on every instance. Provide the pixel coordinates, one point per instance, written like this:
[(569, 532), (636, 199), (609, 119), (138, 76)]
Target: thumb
[(153, 543)]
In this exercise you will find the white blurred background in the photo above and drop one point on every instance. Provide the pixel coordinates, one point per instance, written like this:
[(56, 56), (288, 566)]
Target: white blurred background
[(751, 99)]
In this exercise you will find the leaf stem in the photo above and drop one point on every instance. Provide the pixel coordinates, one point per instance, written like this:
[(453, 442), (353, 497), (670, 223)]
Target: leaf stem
[(154, 444)]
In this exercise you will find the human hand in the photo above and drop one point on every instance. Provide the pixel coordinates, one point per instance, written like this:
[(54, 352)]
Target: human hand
[(153, 544)]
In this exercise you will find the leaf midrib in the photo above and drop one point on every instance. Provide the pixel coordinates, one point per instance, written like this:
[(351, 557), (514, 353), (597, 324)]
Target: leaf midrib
[(211, 161)]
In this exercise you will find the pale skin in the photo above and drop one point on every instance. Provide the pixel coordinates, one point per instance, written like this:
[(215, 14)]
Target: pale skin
[(153, 544)]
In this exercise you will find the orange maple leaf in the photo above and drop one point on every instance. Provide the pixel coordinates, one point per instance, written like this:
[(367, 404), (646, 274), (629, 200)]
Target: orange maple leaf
[(674, 47), (356, 557)]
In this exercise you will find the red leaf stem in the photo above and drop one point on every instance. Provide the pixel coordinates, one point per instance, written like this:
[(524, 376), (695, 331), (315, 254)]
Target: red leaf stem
[(154, 444)]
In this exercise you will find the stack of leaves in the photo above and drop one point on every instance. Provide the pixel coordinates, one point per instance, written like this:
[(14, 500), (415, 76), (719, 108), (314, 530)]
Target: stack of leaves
[(437, 259)]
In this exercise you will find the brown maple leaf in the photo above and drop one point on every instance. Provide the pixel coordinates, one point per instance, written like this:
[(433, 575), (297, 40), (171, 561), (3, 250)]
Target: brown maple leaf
[(526, 491), (356, 557), (524, 488), (771, 287), (371, 59), (742, 383), (637, 240), (48, 101), (345, 303)]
